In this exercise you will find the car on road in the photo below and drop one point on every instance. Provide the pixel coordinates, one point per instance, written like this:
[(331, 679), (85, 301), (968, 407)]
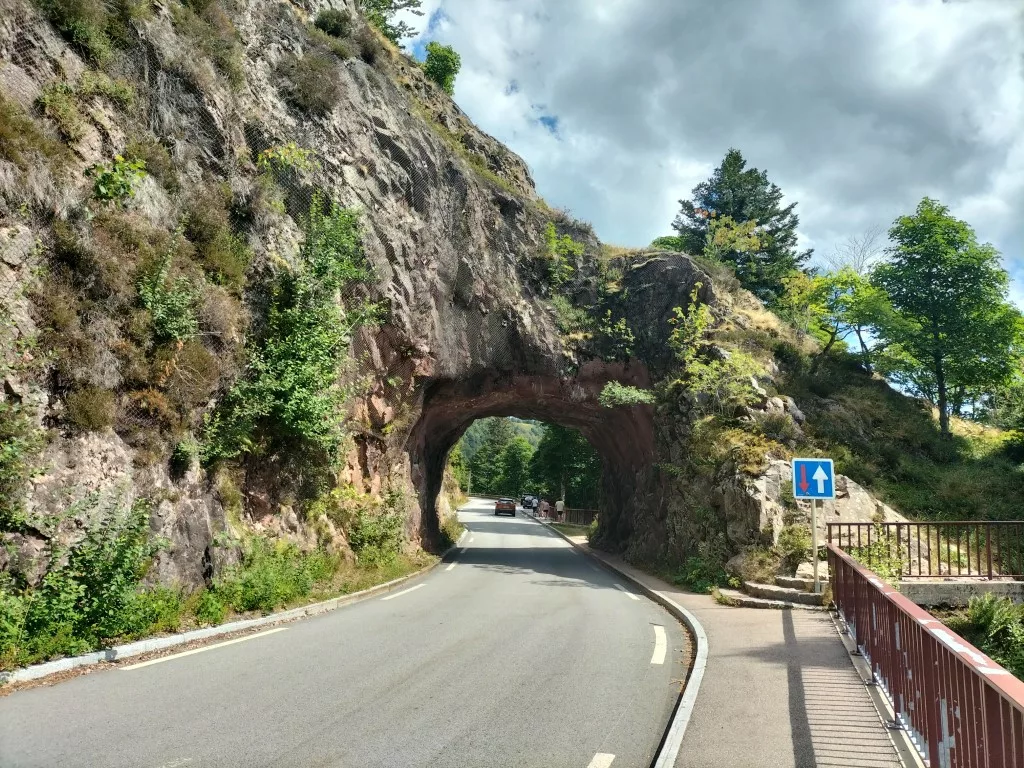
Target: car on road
[(505, 507), (526, 501)]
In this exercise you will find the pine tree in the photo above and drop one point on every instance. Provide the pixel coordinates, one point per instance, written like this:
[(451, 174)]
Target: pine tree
[(745, 195)]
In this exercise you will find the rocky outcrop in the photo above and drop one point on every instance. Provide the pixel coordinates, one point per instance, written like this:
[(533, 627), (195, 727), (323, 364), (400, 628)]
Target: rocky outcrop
[(454, 231)]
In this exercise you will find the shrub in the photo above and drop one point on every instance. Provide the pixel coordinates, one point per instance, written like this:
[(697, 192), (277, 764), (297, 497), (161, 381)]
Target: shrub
[(273, 574), (572, 320), (370, 48), (83, 23), (995, 625), (209, 26), (701, 575), (290, 393), (209, 609), (311, 82), (442, 65), (157, 161), (184, 456), (285, 157), (93, 83), (60, 105), (616, 394), (20, 443), (334, 22), (88, 595), (794, 546), (170, 305), (376, 535), (225, 256), (91, 408), (116, 183), (560, 249), (779, 427), (21, 139)]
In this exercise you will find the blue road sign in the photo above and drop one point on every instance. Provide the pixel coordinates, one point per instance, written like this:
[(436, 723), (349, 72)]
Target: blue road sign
[(814, 479)]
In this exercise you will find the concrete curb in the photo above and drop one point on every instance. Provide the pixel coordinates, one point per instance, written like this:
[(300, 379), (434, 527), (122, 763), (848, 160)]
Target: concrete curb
[(672, 741), (139, 647)]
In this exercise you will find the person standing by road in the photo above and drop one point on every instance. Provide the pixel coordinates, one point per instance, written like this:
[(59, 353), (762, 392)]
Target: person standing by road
[(560, 510), (544, 508)]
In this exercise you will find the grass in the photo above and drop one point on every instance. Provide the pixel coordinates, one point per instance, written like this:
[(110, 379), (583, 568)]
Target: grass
[(571, 530)]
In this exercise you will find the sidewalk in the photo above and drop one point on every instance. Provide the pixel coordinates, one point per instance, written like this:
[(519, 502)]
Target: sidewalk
[(779, 690)]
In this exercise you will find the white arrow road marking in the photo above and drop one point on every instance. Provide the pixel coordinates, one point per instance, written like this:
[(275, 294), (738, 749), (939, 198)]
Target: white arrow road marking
[(601, 760), (631, 595), (660, 645), (200, 650), (403, 592), (820, 476)]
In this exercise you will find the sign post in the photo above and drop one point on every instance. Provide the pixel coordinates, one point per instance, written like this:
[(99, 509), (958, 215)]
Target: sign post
[(814, 480)]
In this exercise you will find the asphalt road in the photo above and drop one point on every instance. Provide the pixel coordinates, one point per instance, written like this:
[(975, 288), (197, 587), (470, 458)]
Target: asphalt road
[(517, 651)]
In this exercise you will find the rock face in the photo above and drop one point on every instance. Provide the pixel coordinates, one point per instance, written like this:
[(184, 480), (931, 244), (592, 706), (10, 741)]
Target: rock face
[(455, 234)]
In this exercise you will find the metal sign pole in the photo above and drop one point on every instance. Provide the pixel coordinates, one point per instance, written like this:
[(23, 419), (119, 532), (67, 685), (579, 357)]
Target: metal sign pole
[(814, 545)]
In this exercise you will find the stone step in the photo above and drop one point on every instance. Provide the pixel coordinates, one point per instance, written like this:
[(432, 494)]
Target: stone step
[(741, 600), (786, 594), (795, 582)]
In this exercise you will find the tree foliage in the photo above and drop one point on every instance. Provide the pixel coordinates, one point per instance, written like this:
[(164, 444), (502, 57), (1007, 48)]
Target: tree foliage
[(564, 460), (442, 65), (746, 197), (382, 13), (953, 331)]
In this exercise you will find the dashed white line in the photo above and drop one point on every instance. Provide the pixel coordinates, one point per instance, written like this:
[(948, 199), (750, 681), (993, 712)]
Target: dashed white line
[(403, 592), (601, 760), (450, 566), (631, 595), (660, 645), (470, 540), (200, 650)]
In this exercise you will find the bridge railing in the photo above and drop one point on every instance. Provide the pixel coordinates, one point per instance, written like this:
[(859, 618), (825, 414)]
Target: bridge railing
[(918, 550), (961, 709)]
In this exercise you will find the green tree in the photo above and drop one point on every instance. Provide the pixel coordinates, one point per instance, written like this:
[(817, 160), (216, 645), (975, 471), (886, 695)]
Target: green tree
[(515, 467), (381, 13), (834, 305), (458, 466), (953, 331), (442, 65), (565, 461), (485, 466), (745, 195)]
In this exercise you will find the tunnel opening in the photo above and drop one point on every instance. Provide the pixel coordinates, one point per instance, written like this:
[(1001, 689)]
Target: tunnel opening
[(621, 437)]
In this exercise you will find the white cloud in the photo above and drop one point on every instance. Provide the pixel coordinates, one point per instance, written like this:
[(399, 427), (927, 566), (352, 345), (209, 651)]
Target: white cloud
[(856, 108)]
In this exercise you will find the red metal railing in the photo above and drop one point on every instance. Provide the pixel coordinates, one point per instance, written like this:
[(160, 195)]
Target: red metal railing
[(915, 550), (582, 517), (961, 709)]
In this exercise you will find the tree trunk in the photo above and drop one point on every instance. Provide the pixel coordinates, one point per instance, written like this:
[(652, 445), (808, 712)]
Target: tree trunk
[(940, 384), (831, 341), (865, 352)]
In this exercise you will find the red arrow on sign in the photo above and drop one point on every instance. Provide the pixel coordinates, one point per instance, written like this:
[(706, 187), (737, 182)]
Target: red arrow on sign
[(804, 485)]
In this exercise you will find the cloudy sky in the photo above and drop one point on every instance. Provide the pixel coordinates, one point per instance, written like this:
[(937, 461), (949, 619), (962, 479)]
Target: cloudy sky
[(855, 108)]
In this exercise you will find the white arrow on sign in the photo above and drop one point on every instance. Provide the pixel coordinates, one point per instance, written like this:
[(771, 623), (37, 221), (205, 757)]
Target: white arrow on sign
[(821, 476)]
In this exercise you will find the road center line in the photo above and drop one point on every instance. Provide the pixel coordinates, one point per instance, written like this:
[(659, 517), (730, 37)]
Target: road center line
[(403, 592), (204, 648), (660, 645), (631, 595), (601, 760)]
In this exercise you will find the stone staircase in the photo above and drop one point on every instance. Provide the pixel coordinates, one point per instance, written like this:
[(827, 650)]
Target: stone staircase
[(788, 592)]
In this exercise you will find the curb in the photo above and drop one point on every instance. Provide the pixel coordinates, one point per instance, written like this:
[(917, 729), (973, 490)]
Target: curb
[(140, 647), (672, 741)]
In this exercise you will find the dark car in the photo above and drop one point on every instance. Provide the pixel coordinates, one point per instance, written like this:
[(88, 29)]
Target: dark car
[(505, 507), (526, 501)]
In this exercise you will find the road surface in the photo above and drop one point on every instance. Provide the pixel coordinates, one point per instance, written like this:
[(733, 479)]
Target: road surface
[(517, 651)]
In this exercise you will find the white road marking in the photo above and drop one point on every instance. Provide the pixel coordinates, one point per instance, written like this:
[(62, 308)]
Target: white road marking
[(403, 592), (470, 540), (601, 760), (452, 565), (462, 551), (660, 645), (200, 650), (631, 595)]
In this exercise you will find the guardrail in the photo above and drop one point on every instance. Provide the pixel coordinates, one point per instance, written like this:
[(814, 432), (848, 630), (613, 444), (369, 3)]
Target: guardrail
[(583, 517), (919, 550), (961, 709)]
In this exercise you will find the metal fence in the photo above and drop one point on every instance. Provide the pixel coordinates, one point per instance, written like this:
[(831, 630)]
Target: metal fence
[(583, 517), (916, 550), (961, 709)]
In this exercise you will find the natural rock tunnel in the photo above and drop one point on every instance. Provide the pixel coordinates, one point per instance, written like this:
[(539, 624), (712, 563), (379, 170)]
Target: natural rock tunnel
[(623, 437)]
